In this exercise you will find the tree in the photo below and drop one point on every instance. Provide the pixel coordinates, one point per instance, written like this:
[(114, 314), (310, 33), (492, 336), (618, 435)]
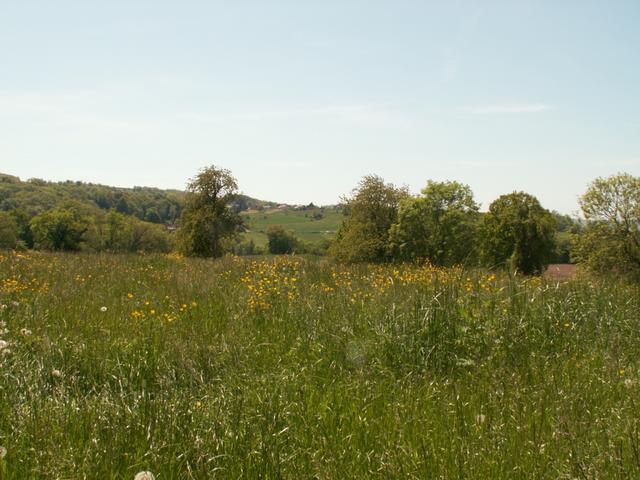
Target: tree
[(280, 241), (207, 218), (8, 231), (23, 221), (611, 238), (438, 226), (116, 232), (370, 212), (148, 237), (59, 229), (518, 232)]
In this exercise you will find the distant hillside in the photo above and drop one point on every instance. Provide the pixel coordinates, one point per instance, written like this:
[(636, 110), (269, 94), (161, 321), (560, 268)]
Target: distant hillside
[(310, 223), (153, 205), (34, 196)]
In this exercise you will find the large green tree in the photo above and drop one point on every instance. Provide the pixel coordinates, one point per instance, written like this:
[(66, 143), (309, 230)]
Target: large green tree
[(60, 229), (611, 239), (370, 212), (438, 226), (280, 241), (8, 231), (518, 232), (208, 219)]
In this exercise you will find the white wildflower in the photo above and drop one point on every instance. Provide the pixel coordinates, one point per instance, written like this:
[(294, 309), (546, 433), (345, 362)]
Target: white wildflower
[(56, 373), (25, 332), (144, 476), (104, 309)]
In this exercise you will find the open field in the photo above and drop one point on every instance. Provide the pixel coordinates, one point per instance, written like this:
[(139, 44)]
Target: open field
[(296, 369), (301, 222)]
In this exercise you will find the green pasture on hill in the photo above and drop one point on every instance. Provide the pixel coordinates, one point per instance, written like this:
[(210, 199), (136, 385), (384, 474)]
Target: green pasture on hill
[(301, 222)]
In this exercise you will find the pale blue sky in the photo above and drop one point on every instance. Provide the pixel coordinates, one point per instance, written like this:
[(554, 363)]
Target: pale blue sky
[(300, 99)]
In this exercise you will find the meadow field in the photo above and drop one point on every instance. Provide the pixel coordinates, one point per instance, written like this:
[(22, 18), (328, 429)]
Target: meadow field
[(301, 222), (300, 368)]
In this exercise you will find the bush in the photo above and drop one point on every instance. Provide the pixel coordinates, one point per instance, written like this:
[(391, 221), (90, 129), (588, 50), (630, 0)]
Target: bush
[(281, 241)]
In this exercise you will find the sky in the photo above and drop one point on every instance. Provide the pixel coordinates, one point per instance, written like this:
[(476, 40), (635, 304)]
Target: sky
[(301, 99)]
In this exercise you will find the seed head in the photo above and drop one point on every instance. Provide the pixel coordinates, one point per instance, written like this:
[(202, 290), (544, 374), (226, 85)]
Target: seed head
[(144, 476)]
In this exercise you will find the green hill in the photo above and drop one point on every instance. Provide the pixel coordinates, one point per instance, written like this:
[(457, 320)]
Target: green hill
[(311, 224), (35, 196)]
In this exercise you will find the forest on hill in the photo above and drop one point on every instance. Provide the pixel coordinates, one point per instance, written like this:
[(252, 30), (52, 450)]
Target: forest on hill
[(378, 222), (99, 217), (109, 218)]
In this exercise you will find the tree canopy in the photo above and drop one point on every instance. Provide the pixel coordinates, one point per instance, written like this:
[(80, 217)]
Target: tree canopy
[(438, 226), (519, 233), (208, 218), (611, 239), (60, 229), (280, 241), (370, 212), (8, 231)]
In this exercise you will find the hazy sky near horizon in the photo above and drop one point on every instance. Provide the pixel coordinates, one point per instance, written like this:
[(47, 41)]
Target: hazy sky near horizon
[(300, 99)]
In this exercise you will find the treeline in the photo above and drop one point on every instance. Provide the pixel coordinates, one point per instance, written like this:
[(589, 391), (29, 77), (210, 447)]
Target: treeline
[(443, 226), (383, 223), (36, 196), (76, 216), (73, 226)]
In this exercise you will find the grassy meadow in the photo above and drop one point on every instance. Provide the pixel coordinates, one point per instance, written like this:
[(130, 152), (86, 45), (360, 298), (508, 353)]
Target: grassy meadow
[(301, 222), (296, 368)]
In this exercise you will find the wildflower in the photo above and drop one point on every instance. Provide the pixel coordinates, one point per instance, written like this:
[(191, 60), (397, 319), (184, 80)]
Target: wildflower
[(25, 332), (129, 295), (629, 383), (3, 452), (103, 309), (3, 307), (56, 373), (621, 372), (144, 476), (3, 344)]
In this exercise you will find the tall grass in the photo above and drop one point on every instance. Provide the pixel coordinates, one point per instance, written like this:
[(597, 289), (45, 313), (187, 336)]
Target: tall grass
[(291, 368)]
